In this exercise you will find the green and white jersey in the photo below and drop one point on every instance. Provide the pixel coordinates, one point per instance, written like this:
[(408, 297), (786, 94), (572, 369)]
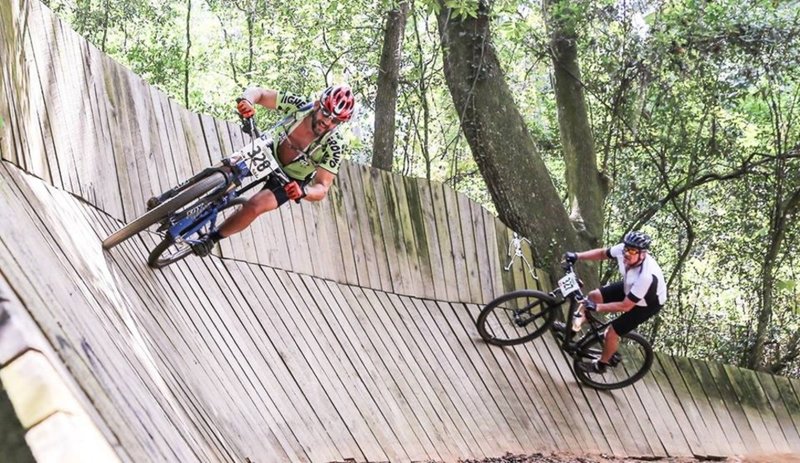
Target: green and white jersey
[(326, 152)]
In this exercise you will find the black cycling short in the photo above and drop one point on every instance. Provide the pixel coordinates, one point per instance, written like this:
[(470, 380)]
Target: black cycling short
[(629, 320), (274, 185)]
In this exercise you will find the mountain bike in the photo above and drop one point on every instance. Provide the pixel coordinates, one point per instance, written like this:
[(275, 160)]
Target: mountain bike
[(189, 210), (521, 316)]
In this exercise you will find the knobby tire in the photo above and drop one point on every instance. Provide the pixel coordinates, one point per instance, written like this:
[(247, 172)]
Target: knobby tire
[(158, 213), (158, 259), (541, 312), (628, 371)]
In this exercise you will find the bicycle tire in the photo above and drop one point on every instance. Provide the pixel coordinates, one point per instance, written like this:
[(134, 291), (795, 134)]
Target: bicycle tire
[(632, 361), (197, 190), (496, 327), (158, 260)]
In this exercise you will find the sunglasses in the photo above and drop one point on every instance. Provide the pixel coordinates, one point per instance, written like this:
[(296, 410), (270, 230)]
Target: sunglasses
[(631, 251), (329, 115)]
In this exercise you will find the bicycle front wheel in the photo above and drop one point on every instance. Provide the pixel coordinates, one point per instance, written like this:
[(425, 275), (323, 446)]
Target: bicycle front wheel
[(516, 317), (199, 189), (168, 251), (629, 364)]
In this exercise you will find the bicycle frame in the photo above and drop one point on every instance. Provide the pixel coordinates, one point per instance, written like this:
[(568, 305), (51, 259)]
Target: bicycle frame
[(178, 227), (596, 326)]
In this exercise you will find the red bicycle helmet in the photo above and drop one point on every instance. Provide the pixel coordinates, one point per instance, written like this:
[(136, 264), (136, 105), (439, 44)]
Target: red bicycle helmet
[(338, 101)]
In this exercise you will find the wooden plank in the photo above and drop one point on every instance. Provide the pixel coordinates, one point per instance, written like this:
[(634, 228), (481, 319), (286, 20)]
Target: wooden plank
[(371, 270), (370, 213), (427, 218), (370, 431), (757, 409), (535, 429), (349, 240), (713, 405), (426, 411), (680, 403), (406, 231), (328, 387), (193, 355), (97, 91), (430, 359), (491, 413), (696, 404), (421, 239), (323, 236), (390, 230), (26, 97), (456, 245), (288, 410), (486, 270), (386, 373), (57, 101), (76, 300), (783, 420), (443, 427), (790, 399), (341, 319), (733, 442), (446, 251), (734, 407), (470, 245)]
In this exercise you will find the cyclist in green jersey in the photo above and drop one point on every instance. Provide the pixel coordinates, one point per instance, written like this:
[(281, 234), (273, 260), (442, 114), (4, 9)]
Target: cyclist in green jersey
[(310, 153)]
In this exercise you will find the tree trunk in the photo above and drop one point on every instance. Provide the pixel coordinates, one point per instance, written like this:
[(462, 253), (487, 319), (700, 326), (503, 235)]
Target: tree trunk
[(517, 178), (187, 56), (587, 187), (386, 96)]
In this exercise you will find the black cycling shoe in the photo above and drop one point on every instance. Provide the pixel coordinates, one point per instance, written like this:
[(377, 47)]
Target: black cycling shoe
[(595, 366), (203, 246), (152, 203)]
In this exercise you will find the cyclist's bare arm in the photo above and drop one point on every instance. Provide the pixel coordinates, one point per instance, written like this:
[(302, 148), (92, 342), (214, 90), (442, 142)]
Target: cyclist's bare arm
[(621, 306), (262, 96), (319, 187), (593, 254)]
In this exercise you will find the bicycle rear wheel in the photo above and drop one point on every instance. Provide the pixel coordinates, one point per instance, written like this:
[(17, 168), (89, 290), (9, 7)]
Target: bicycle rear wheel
[(203, 186), (516, 317), (629, 364), (168, 251)]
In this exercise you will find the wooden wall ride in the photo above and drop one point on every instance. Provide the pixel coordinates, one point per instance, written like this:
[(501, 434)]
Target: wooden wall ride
[(367, 350)]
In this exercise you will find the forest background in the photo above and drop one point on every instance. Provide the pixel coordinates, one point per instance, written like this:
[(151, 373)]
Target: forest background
[(574, 121)]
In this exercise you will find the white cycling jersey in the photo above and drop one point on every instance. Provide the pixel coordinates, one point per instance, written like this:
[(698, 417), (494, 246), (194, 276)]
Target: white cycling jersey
[(643, 284)]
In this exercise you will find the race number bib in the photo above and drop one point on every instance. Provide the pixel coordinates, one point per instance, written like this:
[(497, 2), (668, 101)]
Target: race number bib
[(568, 284), (258, 157)]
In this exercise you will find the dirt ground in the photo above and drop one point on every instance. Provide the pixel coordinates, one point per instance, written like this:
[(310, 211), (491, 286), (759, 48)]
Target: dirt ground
[(569, 458)]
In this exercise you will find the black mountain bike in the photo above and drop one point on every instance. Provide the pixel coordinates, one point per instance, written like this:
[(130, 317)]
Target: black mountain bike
[(521, 316), (190, 209)]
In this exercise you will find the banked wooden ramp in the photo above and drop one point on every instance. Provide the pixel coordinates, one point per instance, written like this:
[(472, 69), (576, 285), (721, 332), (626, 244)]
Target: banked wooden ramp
[(325, 332)]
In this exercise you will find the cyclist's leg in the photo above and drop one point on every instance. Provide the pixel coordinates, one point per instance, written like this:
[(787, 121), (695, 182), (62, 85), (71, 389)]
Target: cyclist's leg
[(261, 202), (271, 197), (623, 325), (614, 292)]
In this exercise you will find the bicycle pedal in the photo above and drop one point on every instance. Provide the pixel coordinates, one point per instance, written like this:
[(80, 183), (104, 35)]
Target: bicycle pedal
[(153, 202)]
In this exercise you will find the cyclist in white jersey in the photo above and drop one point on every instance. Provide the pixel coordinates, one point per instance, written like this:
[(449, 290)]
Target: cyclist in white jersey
[(640, 295)]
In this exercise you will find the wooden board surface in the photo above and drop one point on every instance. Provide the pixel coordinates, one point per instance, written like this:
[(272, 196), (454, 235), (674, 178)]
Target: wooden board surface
[(329, 331)]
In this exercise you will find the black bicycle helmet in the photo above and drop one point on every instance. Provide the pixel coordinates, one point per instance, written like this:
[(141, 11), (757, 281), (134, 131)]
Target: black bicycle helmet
[(637, 239)]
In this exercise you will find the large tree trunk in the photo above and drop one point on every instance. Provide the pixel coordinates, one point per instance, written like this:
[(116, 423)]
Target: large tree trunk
[(386, 96), (521, 188), (587, 188)]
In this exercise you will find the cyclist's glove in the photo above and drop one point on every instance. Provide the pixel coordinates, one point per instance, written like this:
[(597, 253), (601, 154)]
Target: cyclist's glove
[(570, 257), (295, 191), (589, 305), (245, 108)]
